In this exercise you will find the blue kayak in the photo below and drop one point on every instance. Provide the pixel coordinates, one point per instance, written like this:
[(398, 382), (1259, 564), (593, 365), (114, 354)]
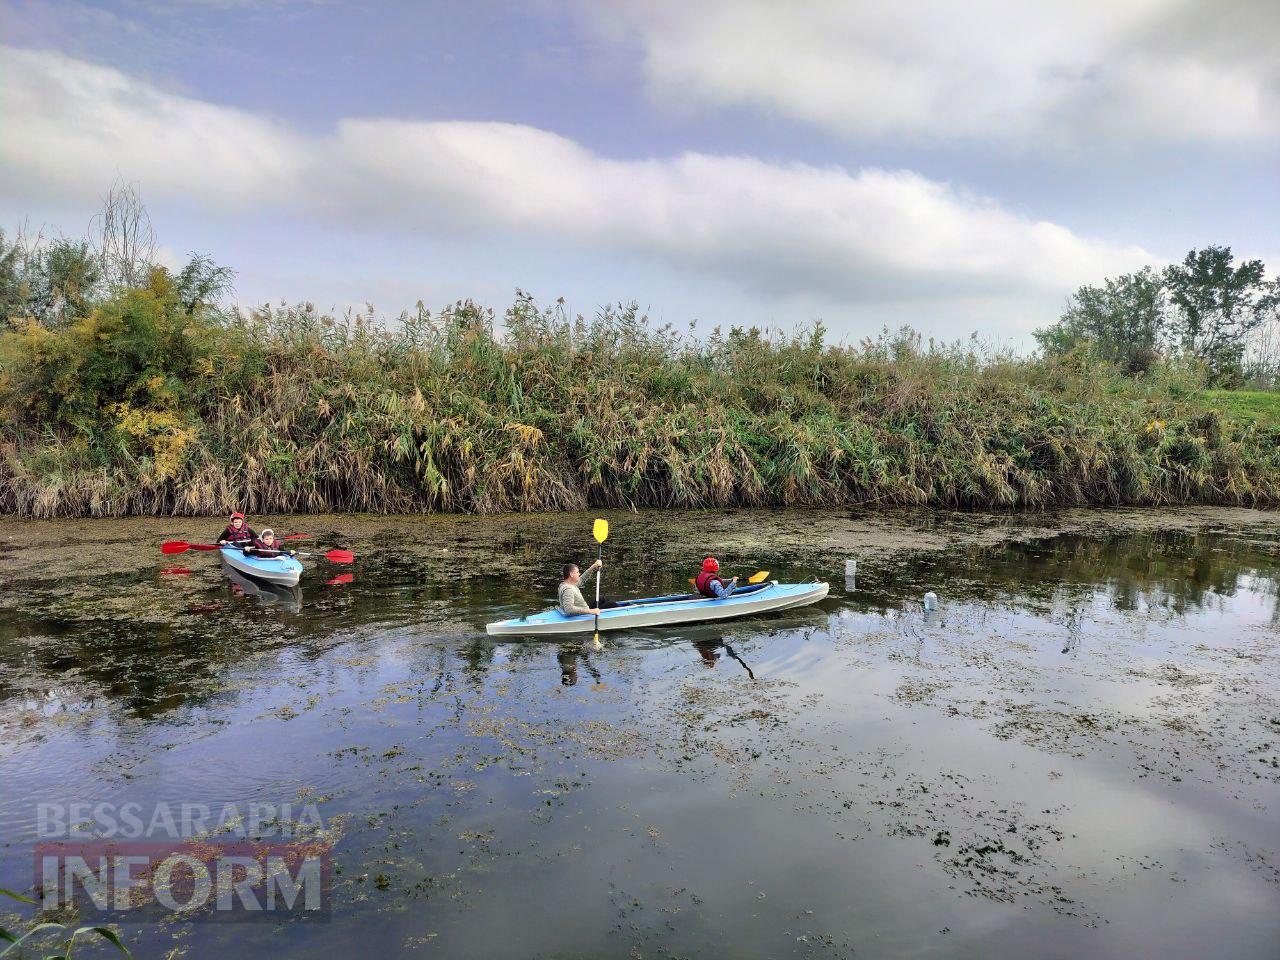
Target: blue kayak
[(286, 571), (664, 611)]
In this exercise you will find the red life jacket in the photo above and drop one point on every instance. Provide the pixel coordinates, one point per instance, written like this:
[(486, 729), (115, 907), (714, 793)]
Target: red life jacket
[(242, 536), (703, 583)]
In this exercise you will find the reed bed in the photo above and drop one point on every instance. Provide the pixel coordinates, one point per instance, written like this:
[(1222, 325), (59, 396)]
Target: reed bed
[(146, 407)]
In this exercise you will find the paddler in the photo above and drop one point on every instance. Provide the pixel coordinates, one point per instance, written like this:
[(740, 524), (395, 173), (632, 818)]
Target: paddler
[(709, 583), (266, 545), (571, 602), (237, 531)]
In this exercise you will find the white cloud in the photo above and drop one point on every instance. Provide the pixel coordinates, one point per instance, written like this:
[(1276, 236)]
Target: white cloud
[(870, 236), (1047, 74)]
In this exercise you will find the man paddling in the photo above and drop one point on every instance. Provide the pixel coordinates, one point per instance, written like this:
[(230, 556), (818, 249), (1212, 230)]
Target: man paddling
[(237, 532), (570, 596), (709, 583)]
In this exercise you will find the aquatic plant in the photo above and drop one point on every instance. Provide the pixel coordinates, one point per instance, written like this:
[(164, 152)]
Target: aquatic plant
[(64, 945)]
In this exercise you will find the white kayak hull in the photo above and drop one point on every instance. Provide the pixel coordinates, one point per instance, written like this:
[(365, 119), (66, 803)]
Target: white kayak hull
[(666, 611), (284, 571)]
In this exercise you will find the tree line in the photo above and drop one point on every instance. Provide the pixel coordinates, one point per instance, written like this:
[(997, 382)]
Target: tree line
[(1208, 309)]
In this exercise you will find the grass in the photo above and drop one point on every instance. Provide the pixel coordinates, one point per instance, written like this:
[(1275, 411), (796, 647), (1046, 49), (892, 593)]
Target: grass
[(1260, 407), (145, 406)]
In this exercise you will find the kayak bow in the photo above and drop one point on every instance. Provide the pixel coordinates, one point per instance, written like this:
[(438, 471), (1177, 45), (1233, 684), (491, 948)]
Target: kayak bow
[(283, 570), (664, 611)]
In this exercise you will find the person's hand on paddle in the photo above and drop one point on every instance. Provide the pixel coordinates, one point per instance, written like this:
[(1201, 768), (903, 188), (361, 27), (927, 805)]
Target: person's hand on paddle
[(598, 565)]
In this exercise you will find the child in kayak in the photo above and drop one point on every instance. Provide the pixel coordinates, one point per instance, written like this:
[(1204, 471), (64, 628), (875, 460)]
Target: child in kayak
[(237, 532), (709, 582), (266, 545), (571, 602)]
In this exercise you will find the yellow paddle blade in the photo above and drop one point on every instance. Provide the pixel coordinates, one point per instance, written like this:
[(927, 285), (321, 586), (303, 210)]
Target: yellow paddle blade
[(760, 577), (601, 530)]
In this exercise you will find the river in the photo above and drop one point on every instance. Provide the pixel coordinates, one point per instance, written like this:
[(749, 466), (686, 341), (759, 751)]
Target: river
[(1075, 752)]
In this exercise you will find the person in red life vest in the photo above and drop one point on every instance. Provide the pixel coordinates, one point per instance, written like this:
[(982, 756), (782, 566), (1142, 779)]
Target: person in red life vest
[(266, 545), (237, 532), (709, 583)]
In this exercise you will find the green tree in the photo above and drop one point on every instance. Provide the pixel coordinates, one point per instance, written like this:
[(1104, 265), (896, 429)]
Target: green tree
[(1217, 307), (68, 275), (1122, 321), (51, 281), (139, 347), (202, 283)]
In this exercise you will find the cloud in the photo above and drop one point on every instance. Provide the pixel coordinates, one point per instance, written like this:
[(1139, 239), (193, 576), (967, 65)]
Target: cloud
[(1049, 74), (852, 237)]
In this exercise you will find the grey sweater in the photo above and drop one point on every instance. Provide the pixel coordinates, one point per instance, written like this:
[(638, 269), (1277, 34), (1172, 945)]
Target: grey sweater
[(571, 602)]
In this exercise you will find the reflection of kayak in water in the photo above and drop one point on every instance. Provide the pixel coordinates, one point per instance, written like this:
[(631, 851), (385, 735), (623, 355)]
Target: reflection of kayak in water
[(282, 570), (288, 598), (664, 611)]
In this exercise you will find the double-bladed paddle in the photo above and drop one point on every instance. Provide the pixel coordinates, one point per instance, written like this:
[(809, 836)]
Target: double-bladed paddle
[(182, 546)]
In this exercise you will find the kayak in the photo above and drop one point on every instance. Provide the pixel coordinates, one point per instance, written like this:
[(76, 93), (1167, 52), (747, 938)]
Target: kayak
[(285, 571), (664, 611)]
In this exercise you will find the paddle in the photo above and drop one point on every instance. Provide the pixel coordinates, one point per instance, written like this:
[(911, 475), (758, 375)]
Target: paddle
[(333, 556), (181, 546), (758, 577), (600, 530)]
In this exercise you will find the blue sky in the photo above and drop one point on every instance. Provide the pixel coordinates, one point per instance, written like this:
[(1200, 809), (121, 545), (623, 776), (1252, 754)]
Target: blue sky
[(957, 167)]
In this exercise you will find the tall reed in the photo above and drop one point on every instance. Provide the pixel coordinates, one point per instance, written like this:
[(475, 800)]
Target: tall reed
[(147, 407)]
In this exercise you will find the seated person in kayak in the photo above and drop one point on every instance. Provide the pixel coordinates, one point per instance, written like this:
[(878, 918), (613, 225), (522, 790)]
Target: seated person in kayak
[(571, 603), (237, 532), (709, 583), (266, 545)]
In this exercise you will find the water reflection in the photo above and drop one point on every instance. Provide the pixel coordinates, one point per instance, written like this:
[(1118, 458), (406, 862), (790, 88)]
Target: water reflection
[(709, 651), (288, 599), (569, 657), (1173, 571)]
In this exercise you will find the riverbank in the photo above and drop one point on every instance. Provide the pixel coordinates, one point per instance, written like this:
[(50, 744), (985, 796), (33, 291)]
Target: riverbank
[(147, 408)]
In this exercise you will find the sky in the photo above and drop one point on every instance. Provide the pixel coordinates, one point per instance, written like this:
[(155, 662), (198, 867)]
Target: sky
[(959, 167)]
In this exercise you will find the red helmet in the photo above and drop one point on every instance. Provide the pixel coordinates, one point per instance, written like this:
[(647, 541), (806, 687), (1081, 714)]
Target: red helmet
[(710, 565), (237, 515)]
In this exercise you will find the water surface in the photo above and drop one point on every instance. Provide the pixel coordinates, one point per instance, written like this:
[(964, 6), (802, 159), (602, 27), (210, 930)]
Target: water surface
[(1076, 753)]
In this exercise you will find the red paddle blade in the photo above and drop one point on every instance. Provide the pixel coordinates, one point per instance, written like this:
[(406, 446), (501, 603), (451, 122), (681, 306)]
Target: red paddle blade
[(342, 579), (175, 546), (340, 556)]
